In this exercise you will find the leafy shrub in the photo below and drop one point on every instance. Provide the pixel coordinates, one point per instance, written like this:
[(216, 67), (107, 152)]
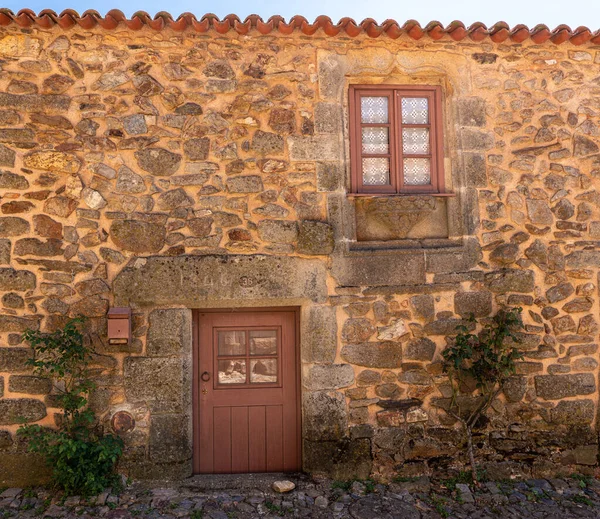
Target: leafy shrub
[(81, 457), (479, 365)]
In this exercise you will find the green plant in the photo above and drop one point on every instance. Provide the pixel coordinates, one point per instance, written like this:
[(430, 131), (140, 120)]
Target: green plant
[(583, 481), (82, 458), (197, 514), (582, 500), (477, 366), (440, 505)]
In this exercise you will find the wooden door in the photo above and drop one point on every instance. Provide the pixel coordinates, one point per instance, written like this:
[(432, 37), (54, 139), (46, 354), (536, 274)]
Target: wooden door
[(246, 392)]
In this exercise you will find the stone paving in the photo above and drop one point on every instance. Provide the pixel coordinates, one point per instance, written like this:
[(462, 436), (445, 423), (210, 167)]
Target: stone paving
[(419, 498)]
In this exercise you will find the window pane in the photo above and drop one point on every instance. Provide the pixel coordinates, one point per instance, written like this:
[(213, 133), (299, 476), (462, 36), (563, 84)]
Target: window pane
[(417, 172), (232, 343), (376, 171), (415, 110), (232, 371), (375, 140), (263, 342), (415, 141), (374, 109), (263, 370)]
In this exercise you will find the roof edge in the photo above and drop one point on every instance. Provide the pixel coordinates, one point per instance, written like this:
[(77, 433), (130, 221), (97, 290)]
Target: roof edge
[(498, 33)]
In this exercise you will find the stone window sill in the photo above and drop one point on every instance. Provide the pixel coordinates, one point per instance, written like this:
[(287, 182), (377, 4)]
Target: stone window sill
[(391, 195), (405, 245)]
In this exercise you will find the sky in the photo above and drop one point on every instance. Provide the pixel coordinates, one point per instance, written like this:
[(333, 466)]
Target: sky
[(528, 12)]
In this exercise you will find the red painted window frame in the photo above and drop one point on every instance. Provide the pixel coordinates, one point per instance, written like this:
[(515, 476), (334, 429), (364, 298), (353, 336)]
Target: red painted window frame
[(395, 94)]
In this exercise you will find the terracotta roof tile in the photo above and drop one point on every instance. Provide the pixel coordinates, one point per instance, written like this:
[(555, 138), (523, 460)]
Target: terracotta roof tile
[(499, 32)]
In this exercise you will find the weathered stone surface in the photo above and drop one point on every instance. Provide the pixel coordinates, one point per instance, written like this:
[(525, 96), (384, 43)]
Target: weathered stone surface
[(10, 180), (129, 181), (169, 332), (315, 238), (393, 331), (357, 330), (45, 226), (169, 441), (153, 379), (14, 360), (325, 415), (35, 102), (245, 184), (559, 292), (510, 280), (158, 161), (446, 326), (422, 349), (329, 376), (423, 306), (19, 410), (573, 412), (173, 199), (36, 247), (52, 161), (278, 231), (29, 384), (196, 149), (373, 354), (19, 280), (184, 279), (92, 287), (13, 226), (137, 236), (342, 460), (13, 300), (539, 212), (478, 304), (556, 387), (61, 206), (514, 389), (319, 342), (267, 142), (94, 306)]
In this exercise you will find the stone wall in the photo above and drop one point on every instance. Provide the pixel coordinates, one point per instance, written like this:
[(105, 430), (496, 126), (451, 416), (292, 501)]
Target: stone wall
[(169, 171)]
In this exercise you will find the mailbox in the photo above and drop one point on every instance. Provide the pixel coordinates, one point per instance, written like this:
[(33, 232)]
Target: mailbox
[(119, 325)]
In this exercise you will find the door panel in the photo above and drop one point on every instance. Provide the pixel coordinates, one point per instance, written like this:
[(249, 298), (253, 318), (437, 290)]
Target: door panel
[(246, 392)]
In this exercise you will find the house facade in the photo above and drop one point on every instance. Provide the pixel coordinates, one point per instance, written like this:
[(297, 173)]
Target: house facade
[(297, 216)]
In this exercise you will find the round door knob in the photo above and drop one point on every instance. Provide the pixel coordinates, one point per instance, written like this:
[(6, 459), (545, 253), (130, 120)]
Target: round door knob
[(205, 376)]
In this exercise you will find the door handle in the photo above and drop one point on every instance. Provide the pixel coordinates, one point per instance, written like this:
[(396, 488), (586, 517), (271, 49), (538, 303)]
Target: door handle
[(205, 376)]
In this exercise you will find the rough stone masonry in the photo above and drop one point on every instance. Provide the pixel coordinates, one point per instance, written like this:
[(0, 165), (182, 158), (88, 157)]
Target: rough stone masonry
[(167, 171)]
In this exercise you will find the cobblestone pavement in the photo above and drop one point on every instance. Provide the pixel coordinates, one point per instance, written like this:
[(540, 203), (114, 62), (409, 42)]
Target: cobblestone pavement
[(415, 499)]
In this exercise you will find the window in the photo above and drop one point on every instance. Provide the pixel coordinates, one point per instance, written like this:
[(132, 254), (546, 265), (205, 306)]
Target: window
[(396, 139)]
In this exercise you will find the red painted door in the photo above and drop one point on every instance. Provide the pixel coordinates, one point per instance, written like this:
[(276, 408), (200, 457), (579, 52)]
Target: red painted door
[(246, 392)]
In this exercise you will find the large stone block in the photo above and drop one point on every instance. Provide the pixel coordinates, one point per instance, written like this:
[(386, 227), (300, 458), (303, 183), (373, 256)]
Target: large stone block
[(322, 147), (374, 354), (29, 384), (324, 416), (12, 323), (188, 280), (13, 226), (315, 238), (477, 303), (573, 412), (21, 470), (556, 387), (153, 379), (170, 438), (372, 269), (14, 360), (137, 236), (169, 332), (329, 376), (18, 410), (342, 460), (319, 334), (19, 280), (471, 111), (583, 258), (420, 349), (510, 280), (35, 103)]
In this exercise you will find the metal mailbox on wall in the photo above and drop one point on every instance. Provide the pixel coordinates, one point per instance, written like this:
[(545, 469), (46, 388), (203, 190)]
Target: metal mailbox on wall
[(119, 325)]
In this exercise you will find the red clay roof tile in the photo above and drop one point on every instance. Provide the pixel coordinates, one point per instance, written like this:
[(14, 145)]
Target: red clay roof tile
[(499, 32)]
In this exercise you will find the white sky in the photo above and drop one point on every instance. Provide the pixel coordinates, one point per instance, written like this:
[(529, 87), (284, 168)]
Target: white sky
[(529, 12)]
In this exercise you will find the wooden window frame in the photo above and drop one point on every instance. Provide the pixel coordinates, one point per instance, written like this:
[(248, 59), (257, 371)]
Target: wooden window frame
[(395, 94)]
